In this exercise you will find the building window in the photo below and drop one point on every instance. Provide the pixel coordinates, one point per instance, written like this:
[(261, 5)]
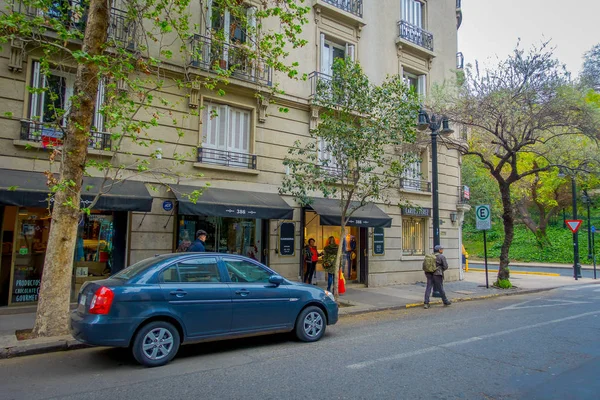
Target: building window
[(331, 51), (412, 12), (413, 236), (412, 175), (226, 134), (418, 83)]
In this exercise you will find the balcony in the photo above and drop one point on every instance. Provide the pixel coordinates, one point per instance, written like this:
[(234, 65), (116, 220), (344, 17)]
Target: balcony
[(226, 158), (354, 7), (415, 35), (51, 136), (460, 60), (213, 56), (459, 15), (327, 88), (464, 195), (73, 15), (415, 184)]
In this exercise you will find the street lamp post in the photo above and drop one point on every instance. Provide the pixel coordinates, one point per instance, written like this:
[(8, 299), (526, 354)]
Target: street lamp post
[(434, 123)]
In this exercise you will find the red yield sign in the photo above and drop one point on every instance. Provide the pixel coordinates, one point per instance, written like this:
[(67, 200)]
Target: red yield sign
[(574, 224)]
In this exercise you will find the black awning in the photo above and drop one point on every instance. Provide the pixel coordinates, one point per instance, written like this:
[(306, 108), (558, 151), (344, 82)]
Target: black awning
[(369, 215), (29, 189), (233, 203)]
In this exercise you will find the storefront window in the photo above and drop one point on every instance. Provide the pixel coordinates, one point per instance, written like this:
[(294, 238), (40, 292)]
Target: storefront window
[(94, 247), (225, 235), (413, 236)]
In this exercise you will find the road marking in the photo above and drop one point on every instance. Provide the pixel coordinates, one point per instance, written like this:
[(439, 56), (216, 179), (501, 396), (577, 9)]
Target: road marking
[(519, 272), (520, 306), (401, 356)]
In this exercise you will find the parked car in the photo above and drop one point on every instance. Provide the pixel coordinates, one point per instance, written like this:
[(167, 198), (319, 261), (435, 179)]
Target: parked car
[(159, 303)]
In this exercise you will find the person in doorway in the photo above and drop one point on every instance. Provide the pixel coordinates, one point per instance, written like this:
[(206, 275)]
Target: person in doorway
[(198, 244), (349, 246), (329, 260), (436, 279), (311, 256)]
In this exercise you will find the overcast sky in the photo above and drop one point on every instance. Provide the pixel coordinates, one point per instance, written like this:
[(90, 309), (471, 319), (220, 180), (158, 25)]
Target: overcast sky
[(491, 28)]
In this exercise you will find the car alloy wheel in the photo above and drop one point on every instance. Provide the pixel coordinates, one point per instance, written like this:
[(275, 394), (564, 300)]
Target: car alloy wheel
[(313, 324), (157, 344)]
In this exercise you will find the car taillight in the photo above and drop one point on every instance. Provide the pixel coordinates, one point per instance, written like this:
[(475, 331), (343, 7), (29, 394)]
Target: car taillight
[(102, 301)]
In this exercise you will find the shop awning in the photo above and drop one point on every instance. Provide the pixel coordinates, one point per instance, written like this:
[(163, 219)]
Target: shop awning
[(233, 203), (368, 215), (29, 189)]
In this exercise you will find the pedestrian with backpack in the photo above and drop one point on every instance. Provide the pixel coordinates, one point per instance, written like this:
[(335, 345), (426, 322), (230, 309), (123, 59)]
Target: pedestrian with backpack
[(434, 266)]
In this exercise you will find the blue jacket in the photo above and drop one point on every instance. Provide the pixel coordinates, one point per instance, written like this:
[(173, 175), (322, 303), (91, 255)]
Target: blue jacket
[(197, 246)]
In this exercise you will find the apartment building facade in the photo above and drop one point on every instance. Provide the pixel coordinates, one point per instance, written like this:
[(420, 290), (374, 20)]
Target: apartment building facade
[(239, 154)]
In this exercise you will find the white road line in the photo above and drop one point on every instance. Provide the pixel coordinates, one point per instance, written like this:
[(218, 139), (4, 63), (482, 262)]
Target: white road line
[(580, 287), (556, 303), (400, 356)]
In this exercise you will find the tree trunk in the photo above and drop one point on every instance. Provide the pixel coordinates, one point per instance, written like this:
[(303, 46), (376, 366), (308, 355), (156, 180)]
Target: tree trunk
[(509, 228), (52, 316)]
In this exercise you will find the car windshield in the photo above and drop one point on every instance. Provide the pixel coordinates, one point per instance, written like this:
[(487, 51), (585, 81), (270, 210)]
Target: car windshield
[(138, 267)]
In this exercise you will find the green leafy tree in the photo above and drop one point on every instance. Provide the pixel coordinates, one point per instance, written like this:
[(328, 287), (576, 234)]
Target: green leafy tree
[(141, 51), (350, 156), (590, 75), (525, 104)]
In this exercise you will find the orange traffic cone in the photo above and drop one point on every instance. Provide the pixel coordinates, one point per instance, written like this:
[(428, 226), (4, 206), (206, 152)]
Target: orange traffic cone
[(342, 284)]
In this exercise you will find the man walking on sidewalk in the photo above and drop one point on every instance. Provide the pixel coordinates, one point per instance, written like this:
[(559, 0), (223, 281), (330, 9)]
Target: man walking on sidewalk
[(436, 279)]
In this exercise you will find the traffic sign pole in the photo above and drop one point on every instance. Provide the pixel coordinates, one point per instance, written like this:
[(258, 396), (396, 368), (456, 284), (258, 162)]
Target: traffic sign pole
[(487, 283), (484, 222)]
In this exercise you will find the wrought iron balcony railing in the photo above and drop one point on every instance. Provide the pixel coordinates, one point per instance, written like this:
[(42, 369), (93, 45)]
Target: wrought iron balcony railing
[(51, 136), (352, 6), (327, 88), (212, 55), (73, 15), (460, 60), (416, 35), (415, 184), (226, 158)]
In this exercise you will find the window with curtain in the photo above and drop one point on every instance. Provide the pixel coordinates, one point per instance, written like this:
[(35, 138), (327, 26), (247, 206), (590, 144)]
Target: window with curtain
[(416, 82), (226, 131), (413, 236), (412, 12), (412, 175), (330, 51)]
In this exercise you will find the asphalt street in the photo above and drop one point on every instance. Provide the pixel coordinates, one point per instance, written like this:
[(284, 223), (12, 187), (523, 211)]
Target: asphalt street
[(539, 346)]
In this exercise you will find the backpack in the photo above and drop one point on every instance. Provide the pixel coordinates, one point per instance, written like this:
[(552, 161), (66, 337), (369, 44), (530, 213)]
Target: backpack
[(429, 263)]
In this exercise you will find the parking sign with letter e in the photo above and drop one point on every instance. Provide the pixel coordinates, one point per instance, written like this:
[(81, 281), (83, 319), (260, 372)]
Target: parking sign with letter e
[(483, 217)]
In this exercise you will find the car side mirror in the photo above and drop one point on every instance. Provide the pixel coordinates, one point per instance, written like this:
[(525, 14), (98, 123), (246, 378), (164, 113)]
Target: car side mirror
[(276, 280)]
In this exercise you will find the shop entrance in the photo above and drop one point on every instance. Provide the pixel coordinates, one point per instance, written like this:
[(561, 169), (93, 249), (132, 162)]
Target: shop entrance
[(241, 236), (354, 266)]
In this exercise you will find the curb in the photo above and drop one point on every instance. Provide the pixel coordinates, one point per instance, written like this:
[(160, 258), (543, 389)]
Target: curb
[(41, 348), (518, 272)]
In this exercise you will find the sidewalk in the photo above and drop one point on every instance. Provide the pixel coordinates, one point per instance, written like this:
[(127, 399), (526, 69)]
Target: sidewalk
[(357, 299)]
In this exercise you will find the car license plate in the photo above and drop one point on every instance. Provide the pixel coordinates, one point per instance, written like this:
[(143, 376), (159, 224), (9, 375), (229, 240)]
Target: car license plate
[(82, 299)]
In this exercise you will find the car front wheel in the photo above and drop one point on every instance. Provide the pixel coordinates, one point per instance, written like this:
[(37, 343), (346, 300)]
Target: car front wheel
[(310, 324), (156, 344)]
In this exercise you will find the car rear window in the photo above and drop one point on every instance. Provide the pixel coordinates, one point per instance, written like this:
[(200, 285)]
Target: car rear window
[(137, 268)]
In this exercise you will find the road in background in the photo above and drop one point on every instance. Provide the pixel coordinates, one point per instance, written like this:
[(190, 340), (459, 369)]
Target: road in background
[(537, 346)]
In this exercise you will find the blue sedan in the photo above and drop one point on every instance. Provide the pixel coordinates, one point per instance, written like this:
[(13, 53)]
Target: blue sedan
[(159, 303)]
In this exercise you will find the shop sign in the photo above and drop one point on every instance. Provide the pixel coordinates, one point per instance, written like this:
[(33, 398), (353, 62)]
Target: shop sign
[(240, 211), (378, 241), (358, 222), (167, 205), (416, 211), (287, 239), (25, 290)]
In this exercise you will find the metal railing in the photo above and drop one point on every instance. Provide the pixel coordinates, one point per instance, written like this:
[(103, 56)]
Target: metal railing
[(226, 158), (464, 194), (458, 4), (416, 35), (415, 184), (460, 60), (211, 55), (352, 6), (51, 136), (327, 88), (73, 14)]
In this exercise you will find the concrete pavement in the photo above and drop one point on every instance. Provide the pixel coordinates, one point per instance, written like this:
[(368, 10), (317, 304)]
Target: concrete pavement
[(357, 299)]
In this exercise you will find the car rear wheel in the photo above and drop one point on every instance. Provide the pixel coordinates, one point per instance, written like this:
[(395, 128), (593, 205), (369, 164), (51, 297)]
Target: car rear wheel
[(310, 324), (156, 344)]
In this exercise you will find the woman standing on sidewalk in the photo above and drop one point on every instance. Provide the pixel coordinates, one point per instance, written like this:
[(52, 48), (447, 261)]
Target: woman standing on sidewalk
[(311, 256), (329, 258)]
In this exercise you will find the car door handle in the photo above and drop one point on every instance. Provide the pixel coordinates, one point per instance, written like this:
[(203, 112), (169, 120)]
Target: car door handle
[(242, 292), (179, 293)]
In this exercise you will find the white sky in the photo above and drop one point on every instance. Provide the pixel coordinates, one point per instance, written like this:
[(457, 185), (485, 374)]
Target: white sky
[(491, 28)]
